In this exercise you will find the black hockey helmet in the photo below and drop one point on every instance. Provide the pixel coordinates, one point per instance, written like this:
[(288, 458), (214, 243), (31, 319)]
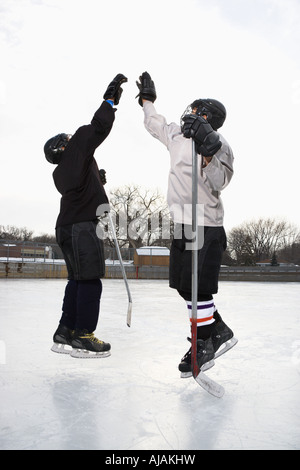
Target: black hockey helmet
[(54, 147), (213, 109)]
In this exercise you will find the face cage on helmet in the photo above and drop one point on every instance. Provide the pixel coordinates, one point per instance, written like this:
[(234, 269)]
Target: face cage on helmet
[(188, 110), (62, 143), (202, 110)]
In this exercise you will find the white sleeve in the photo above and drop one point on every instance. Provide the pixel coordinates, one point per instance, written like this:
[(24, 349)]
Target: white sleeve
[(220, 170), (156, 124)]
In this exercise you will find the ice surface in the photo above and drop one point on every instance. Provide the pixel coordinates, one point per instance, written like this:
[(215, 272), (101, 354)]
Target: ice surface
[(135, 399)]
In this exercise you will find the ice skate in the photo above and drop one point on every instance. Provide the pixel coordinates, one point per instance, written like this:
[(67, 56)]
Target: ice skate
[(62, 340), (222, 336), (205, 356), (86, 345)]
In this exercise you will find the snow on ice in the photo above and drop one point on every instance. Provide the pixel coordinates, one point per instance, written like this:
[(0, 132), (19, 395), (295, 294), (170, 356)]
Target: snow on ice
[(135, 399)]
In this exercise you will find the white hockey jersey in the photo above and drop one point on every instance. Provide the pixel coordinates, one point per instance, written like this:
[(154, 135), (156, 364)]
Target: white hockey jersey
[(216, 175)]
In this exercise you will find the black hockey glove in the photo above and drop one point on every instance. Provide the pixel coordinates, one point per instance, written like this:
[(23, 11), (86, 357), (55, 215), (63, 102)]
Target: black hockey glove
[(102, 174), (114, 90), (206, 139), (147, 88)]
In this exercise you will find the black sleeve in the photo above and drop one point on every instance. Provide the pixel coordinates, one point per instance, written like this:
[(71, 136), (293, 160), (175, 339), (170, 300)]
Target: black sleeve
[(89, 137), (103, 118)]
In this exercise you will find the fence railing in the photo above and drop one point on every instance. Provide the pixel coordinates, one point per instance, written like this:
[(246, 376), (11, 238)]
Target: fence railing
[(40, 260), (58, 270), (26, 251)]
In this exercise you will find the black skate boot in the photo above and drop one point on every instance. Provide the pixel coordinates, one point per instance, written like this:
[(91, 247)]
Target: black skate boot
[(205, 356), (62, 340), (86, 345), (221, 335)]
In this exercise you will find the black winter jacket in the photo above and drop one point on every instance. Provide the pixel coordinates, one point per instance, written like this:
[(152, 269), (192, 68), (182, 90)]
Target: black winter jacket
[(76, 176)]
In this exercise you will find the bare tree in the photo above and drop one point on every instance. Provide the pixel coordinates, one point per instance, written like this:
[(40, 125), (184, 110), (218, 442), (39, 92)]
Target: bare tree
[(291, 253), (11, 232), (45, 238), (141, 216), (260, 239)]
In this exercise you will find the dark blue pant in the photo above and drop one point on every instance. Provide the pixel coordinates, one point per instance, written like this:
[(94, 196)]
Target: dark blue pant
[(81, 304)]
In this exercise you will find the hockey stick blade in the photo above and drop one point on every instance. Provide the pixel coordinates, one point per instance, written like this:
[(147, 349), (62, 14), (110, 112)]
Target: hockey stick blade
[(209, 385)]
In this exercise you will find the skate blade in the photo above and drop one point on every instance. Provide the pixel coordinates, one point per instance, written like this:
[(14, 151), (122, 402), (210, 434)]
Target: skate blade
[(226, 346), (206, 366), (61, 348), (85, 354)]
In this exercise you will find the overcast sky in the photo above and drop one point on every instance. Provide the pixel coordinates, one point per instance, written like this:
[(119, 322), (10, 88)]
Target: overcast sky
[(58, 56)]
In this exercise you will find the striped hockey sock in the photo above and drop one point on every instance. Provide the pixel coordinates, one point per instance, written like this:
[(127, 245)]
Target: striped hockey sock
[(205, 317)]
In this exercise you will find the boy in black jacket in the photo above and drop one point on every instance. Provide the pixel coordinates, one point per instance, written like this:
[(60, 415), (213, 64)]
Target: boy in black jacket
[(79, 181)]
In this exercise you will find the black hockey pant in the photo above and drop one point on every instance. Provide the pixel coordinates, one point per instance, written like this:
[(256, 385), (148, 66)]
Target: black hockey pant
[(83, 253), (81, 305)]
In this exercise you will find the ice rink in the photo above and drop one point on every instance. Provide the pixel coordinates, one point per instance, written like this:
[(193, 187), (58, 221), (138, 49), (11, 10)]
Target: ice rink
[(135, 399)]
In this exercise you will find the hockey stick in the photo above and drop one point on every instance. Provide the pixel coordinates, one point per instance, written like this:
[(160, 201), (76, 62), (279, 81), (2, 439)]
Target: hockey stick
[(129, 310), (195, 367), (208, 384)]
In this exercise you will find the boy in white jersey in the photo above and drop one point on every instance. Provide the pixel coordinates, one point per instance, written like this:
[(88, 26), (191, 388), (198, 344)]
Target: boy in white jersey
[(199, 123)]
